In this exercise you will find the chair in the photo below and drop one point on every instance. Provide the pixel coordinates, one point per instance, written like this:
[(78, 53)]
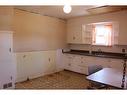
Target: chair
[(94, 85)]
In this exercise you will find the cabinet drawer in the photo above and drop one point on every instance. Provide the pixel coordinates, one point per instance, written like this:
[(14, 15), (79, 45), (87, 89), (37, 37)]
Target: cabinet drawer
[(82, 70), (68, 66), (77, 68)]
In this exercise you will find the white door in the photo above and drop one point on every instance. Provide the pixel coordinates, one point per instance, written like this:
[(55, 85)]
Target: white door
[(7, 65)]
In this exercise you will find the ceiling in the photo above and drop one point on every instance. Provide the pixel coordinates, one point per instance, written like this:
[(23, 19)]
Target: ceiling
[(57, 11)]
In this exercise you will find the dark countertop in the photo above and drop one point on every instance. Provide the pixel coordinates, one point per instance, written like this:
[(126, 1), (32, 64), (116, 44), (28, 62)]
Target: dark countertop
[(98, 54)]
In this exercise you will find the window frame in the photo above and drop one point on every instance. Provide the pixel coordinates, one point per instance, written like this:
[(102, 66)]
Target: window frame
[(105, 24)]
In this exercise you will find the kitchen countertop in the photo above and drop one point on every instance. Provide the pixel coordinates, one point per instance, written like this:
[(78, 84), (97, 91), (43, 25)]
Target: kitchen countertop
[(97, 54)]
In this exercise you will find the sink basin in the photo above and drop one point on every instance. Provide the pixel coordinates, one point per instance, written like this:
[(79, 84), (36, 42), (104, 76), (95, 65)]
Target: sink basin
[(99, 54)]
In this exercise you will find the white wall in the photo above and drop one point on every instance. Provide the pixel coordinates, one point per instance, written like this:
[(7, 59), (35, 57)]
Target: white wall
[(119, 17), (35, 32), (6, 15)]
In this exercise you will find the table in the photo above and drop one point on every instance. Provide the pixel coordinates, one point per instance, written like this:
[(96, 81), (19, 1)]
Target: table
[(108, 76)]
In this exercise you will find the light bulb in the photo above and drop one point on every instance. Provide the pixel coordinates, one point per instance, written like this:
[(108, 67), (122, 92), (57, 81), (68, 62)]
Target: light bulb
[(67, 9)]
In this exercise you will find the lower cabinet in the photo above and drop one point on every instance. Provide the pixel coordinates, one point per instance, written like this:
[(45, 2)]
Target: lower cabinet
[(35, 64), (76, 68), (110, 63), (75, 63), (79, 63), (82, 69)]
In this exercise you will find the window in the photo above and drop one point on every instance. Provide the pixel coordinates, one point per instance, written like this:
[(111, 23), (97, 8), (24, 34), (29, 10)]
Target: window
[(102, 34)]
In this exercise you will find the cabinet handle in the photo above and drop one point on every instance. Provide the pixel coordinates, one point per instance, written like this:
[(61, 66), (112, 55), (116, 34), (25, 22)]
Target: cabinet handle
[(81, 69), (73, 38), (69, 64), (109, 60), (11, 77), (9, 49), (24, 56), (49, 59)]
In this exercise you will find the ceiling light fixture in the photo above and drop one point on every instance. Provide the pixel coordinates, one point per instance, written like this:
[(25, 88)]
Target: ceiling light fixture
[(67, 9)]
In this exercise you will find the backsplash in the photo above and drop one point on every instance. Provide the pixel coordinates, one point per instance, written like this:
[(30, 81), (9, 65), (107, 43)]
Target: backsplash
[(117, 48)]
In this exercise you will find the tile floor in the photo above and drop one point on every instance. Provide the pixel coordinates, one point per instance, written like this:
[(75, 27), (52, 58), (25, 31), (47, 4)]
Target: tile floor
[(61, 80)]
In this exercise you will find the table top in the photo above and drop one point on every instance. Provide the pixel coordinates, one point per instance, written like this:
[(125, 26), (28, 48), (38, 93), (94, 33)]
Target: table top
[(108, 76)]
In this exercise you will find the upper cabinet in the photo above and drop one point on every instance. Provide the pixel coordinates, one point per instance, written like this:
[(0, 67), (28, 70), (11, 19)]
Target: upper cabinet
[(79, 34), (74, 33), (87, 34), (122, 35)]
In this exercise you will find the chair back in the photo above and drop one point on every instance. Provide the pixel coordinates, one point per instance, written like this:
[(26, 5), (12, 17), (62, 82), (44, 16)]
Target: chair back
[(94, 68)]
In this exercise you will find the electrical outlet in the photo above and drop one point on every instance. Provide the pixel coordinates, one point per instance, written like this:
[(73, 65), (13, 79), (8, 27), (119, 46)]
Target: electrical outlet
[(123, 50), (5, 86), (10, 84)]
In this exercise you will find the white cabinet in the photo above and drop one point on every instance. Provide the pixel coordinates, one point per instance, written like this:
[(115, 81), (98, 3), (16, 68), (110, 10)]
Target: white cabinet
[(116, 63), (35, 64), (78, 63), (23, 61), (7, 60), (87, 34), (59, 60), (74, 34), (110, 63), (50, 61), (68, 61), (75, 63), (120, 30), (79, 34)]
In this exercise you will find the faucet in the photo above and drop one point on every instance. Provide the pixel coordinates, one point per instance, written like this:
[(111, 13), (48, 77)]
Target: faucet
[(90, 50), (99, 51)]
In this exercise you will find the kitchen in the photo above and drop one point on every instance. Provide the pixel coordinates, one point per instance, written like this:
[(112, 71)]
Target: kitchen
[(45, 43)]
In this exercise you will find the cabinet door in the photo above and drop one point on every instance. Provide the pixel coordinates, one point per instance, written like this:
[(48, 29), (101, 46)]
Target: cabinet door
[(122, 38), (110, 63), (50, 59), (87, 34), (80, 60), (90, 60), (59, 60), (68, 61), (70, 36), (23, 66), (104, 62), (82, 69), (117, 64), (42, 63), (74, 34), (36, 64)]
